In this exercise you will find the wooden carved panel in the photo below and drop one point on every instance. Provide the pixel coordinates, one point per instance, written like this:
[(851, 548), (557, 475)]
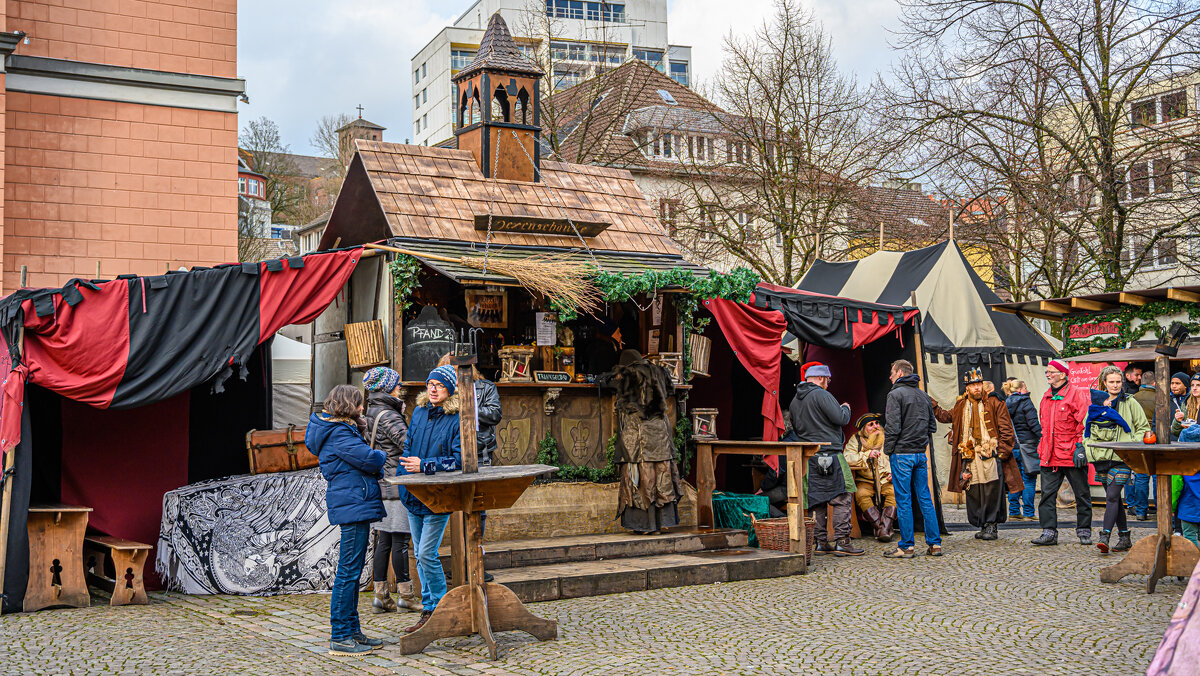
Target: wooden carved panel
[(521, 429), (578, 427)]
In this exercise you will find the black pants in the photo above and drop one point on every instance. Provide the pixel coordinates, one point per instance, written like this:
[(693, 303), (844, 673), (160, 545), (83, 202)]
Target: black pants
[(1052, 478), (393, 546), (1114, 511), (985, 503)]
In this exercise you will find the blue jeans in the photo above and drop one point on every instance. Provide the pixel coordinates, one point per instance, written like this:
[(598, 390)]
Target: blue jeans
[(427, 533), (1137, 493), (910, 470), (343, 605), (1025, 495)]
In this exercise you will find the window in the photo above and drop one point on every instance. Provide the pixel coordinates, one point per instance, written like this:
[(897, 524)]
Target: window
[(1174, 106), (778, 236), (592, 11), (679, 72), (742, 218), (416, 128), (666, 97), (1139, 180), (734, 151), (416, 76), (1162, 254), (1144, 113), (1161, 175), (242, 184), (417, 101), (1191, 169), (425, 95), (460, 58), (528, 51), (565, 78), (668, 209), (423, 71), (561, 50), (654, 57), (667, 143), (425, 121)]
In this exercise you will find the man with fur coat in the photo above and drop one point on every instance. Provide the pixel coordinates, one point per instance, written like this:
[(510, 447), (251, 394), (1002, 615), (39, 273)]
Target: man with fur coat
[(875, 497), (981, 458)]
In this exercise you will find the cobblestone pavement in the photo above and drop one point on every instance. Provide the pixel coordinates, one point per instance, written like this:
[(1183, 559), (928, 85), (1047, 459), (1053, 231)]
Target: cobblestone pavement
[(984, 608)]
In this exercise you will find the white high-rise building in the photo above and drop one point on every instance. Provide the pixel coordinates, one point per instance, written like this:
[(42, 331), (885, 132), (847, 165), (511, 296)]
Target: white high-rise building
[(576, 37)]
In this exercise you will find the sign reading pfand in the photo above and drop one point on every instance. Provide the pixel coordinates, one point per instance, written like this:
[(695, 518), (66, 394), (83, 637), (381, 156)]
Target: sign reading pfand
[(1085, 331)]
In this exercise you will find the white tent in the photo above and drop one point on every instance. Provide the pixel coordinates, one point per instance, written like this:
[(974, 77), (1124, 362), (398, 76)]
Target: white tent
[(291, 373)]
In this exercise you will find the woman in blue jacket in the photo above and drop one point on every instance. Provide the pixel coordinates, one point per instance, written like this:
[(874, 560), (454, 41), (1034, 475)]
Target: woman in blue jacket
[(353, 500), (433, 445)]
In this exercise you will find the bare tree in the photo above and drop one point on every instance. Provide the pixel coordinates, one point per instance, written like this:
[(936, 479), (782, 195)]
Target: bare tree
[(252, 244), (793, 147), (1057, 109), (266, 154), (329, 143)]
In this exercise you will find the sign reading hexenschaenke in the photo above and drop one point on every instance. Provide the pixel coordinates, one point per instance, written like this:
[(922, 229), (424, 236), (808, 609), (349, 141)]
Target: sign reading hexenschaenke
[(531, 225)]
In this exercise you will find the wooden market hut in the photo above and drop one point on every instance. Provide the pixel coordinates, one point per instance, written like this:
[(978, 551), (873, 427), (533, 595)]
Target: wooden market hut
[(493, 195)]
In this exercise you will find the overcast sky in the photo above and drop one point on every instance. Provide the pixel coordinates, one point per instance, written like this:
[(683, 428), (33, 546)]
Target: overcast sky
[(302, 59)]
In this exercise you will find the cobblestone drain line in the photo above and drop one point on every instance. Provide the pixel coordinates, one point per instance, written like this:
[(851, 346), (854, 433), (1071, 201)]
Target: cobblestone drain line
[(985, 608)]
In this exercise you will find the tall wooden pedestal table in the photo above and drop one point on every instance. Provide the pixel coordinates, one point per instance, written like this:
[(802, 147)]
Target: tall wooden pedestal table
[(475, 607), (56, 557), (797, 452), (1162, 553)]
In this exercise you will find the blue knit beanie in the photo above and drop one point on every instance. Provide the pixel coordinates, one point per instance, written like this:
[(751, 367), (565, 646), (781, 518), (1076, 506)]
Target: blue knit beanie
[(446, 376), (380, 379)]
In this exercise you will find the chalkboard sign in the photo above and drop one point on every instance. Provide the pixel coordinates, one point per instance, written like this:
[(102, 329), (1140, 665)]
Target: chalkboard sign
[(426, 339)]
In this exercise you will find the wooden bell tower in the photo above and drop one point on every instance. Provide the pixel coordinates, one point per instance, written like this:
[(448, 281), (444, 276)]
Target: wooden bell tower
[(497, 110)]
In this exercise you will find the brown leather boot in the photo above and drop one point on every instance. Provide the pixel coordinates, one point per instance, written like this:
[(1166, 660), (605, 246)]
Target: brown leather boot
[(889, 524), (420, 623), (876, 519)]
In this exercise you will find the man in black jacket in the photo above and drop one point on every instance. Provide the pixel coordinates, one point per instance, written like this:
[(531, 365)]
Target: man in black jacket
[(817, 416), (908, 425)]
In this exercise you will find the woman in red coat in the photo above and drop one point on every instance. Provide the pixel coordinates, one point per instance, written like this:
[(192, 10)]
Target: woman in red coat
[(1063, 412)]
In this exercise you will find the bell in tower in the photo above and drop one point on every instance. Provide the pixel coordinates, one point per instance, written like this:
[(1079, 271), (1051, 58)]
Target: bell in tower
[(497, 114)]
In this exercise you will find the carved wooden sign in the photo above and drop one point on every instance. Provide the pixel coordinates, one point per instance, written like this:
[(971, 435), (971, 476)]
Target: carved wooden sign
[(531, 225)]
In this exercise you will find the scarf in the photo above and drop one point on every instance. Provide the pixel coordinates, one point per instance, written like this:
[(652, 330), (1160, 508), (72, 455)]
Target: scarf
[(1104, 416)]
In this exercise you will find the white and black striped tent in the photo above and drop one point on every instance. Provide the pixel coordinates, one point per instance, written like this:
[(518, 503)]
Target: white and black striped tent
[(958, 328)]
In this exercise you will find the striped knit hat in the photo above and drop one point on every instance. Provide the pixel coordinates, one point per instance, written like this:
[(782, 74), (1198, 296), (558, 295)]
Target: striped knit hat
[(380, 379), (446, 376)]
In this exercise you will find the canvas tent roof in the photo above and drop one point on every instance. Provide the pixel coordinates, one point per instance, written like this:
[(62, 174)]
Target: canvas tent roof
[(954, 301)]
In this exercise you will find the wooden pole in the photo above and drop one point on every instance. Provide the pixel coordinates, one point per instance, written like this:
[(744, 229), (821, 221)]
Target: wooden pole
[(24, 276), (10, 459), (951, 225), (880, 235)]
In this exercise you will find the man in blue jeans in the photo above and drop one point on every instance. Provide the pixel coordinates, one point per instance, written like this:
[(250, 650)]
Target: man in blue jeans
[(908, 425)]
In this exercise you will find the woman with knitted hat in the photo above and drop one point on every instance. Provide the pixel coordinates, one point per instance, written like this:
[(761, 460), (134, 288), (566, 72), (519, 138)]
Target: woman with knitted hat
[(432, 445), (387, 431)]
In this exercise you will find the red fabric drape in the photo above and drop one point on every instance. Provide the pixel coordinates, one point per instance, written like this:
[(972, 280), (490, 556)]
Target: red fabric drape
[(756, 338), (297, 296)]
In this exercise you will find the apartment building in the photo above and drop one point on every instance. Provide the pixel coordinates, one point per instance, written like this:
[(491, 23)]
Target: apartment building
[(571, 39)]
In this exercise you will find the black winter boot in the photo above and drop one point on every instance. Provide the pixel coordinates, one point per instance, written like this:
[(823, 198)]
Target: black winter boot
[(1102, 540), (1085, 536), (989, 532), (1124, 542), (1049, 536)]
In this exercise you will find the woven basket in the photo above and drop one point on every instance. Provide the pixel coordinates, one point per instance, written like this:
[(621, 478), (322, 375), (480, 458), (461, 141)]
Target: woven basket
[(773, 534)]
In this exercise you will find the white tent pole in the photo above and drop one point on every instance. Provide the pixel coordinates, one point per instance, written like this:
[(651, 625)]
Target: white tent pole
[(880, 235)]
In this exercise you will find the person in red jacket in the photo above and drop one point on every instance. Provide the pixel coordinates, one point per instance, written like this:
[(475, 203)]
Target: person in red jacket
[(1063, 412)]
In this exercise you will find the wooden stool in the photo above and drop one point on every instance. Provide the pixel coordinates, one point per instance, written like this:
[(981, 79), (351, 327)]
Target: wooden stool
[(56, 557), (127, 559)]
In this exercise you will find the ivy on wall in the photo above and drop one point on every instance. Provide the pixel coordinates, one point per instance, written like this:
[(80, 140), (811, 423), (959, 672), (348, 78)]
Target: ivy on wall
[(548, 455), (1128, 333)]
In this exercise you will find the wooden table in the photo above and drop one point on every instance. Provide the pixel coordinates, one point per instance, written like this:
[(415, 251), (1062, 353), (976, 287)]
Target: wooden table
[(475, 607), (1162, 553), (56, 575), (797, 452)]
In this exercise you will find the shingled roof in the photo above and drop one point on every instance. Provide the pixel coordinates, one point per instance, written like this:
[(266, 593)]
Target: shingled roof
[(398, 190), (497, 51)]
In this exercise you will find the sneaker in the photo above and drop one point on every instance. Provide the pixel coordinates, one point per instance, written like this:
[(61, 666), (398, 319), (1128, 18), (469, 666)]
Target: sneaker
[(420, 623), (372, 643), (934, 550), (899, 553), (348, 647), (1048, 537), (845, 548)]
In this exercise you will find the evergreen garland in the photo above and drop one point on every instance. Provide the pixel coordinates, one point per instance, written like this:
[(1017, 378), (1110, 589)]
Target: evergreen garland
[(1150, 312), (548, 455), (405, 272)]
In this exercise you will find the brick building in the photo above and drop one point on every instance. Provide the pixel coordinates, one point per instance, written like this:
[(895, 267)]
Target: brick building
[(120, 137)]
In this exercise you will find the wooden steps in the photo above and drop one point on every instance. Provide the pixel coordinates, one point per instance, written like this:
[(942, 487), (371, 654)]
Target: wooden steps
[(546, 569)]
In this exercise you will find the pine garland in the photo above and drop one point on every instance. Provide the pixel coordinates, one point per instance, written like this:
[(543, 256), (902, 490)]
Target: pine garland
[(405, 273), (548, 455), (1149, 313)]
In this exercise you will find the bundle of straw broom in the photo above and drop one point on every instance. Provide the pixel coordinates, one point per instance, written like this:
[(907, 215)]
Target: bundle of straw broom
[(559, 277)]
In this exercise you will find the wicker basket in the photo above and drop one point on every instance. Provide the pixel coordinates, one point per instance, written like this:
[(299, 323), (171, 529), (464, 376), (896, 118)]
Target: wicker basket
[(773, 534)]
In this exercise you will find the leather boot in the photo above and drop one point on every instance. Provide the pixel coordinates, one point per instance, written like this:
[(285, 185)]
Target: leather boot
[(1048, 537), (989, 531), (1102, 540), (420, 623), (876, 518), (846, 548), (409, 597), (889, 524), (1085, 536), (821, 548), (382, 603), (1124, 542)]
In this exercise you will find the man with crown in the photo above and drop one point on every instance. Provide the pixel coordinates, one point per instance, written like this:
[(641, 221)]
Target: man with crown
[(981, 458)]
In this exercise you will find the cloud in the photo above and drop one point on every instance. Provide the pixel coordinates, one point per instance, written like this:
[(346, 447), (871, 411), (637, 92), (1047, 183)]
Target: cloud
[(303, 59)]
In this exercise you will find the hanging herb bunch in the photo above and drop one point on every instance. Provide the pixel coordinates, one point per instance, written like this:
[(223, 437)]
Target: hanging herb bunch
[(1127, 332), (405, 272)]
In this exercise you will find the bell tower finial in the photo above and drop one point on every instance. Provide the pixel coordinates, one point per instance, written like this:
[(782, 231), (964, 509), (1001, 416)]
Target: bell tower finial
[(497, 107)]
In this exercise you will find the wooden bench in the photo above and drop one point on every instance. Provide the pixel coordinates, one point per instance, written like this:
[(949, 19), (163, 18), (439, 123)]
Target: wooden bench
[(125, 559)]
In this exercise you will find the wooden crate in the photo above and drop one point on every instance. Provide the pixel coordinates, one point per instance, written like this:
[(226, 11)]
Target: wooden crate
[(700, 349), (515, 363), (364, 343), (672, 362)]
